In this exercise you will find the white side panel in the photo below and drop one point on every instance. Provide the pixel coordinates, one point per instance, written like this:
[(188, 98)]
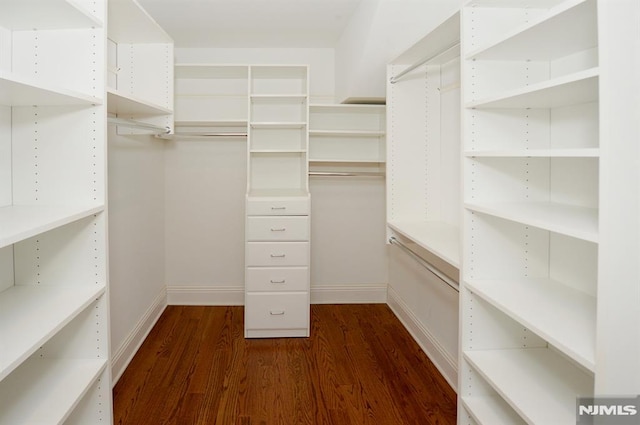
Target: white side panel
[(6, 49), (5, 156), (6, 268), (146, 72)]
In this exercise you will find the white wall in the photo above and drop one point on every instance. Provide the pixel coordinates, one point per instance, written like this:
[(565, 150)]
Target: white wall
[(136, 242), (378, 32)]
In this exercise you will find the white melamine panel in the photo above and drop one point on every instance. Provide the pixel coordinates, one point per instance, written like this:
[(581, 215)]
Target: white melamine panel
[(278, 109), (61, 383), (337, 146), (347, 117), (22, 222), (278, 137), (277, 279), (203, 107), (27, 91), (491, 410), (438, 237), (85, 411), (146, 72), (119, 102), (71, 59), (44, 138), (277, 228), (281, 310), (49, 309), (537, 38), (278, 206), (286, 80), (130, 23), (53, 14), (277, 254), (278, 170), (6, 268), (5, 156), (538, 383)]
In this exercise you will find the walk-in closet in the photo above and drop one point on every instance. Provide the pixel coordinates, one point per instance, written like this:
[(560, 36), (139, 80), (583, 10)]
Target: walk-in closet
[(315, 212)]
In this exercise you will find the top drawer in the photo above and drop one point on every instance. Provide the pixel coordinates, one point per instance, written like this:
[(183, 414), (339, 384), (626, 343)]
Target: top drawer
[(272, 206)]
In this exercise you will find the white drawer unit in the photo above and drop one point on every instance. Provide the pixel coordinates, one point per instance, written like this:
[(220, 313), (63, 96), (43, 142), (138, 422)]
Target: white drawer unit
[(278, 206), (277, 279), (277, 314), (281, 228)]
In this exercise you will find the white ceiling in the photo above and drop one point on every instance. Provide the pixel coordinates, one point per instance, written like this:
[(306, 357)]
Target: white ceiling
[(252, 23)]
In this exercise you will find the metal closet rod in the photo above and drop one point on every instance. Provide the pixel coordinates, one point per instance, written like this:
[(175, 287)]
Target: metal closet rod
[(347, 173), (401, 74), (138, 124), (427, 265)]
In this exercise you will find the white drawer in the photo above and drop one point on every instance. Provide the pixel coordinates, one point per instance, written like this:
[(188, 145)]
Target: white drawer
[(277, 279), (278, 228), (276, 311), (271, 206), (277, 254)]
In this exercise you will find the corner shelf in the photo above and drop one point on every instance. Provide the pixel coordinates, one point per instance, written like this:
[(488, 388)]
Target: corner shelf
[(122, 103)]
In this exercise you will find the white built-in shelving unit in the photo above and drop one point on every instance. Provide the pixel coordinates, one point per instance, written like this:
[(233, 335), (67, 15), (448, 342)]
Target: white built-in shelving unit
[(424, 148), (277, 293), (211, 100), (140, 77), (347, 138), (54, 318), (531, 310)]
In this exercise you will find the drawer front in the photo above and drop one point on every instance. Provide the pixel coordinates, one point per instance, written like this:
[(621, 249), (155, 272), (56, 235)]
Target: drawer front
[(278, 228), (277, 254), (277, 311), (278, 207), (277, 279)]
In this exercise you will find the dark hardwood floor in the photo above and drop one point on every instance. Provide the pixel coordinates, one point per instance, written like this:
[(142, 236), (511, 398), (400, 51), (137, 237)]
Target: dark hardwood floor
[(360, 366)]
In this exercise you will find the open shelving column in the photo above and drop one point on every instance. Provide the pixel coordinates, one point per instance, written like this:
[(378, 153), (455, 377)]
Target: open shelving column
[(277, 294), (54, 319), (532, 313)]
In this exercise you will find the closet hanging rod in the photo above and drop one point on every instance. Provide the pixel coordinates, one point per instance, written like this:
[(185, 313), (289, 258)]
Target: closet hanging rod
[(347, 173), (202, 135), (427, 265), (401, 74), (138, 125)]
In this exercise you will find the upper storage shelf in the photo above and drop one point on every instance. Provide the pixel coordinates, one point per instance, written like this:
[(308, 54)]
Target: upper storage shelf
[(130, 23), (122, 103), (20, 91), (47, 15), (575, 20)]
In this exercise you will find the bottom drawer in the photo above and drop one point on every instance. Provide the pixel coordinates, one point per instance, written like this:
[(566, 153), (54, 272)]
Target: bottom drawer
[(284, 310)]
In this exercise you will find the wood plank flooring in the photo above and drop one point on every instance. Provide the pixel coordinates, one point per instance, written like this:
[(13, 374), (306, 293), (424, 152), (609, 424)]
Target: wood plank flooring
[(360, 366)]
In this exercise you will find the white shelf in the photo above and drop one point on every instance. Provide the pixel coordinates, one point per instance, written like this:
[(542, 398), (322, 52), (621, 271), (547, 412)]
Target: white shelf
[(536, 153), (121, 103), (442, 239), (539, 40), (346, 108), (20, 91), (347, 161), (578, 222), (346, 133), (491, 410), (59, 386), (22, 222), (573, 89), (276, 151), (564, 317), (130, 23), (278, 125), (46, 15), (211, 71), (41, 311), (278, 97), (539, 384), (225, 123)]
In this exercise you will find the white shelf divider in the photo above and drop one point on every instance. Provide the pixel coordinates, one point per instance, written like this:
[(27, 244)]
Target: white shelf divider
[(536, 153), (41, 310), (574, 19), (491, 410), (578, 222), (60, 385), (21, 91), (572, 89), (46, 15), (438, 237), (22, 222), (562, 316), (539, 384)]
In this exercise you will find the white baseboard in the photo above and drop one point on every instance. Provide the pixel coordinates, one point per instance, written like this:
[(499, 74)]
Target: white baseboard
[(205, 295), (349, 294), (122, 357), (444, 361)]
